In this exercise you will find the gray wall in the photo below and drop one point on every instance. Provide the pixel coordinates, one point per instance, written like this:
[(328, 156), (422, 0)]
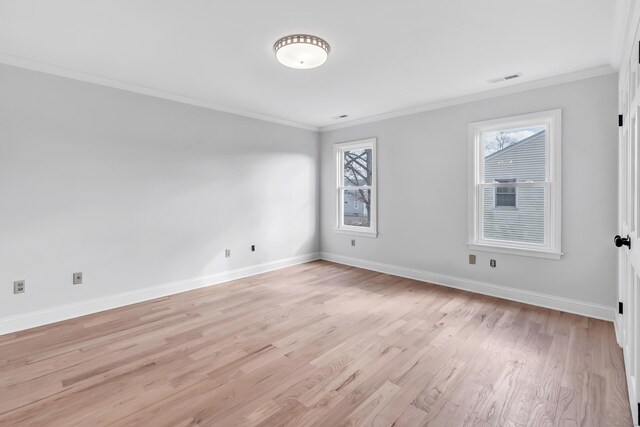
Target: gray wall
[(423, 188), (136, 191)]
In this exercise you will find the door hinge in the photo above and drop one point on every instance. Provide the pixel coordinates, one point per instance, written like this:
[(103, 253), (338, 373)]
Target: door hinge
[(620, 120), (620, 308)]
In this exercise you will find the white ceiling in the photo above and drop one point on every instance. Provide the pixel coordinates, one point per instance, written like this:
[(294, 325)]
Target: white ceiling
[(385, 55)]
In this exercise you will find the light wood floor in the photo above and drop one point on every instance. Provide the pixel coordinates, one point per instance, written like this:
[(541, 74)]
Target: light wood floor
[(317, 344)]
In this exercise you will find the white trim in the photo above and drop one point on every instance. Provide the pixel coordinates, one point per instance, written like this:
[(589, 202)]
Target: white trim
[(622, 14), (626, 325), (627, 20), (68, 311), (616, 329), (448, 102), (552, 119), (602, 70), (356, 232), (503, 249), (582, 308), (135, 88), (338, 149)]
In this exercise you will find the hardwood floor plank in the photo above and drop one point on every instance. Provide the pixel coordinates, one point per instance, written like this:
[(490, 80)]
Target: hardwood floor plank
[(318, 344)]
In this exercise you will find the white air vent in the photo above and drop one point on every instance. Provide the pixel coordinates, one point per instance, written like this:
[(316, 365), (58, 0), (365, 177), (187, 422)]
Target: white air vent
[(504, 78)]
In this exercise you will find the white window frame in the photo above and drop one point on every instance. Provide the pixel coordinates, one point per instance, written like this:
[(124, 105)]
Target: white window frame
[(338, 150), (551, 248)]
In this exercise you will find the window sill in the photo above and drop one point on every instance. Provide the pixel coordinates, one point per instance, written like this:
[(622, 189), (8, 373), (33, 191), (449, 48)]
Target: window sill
[(515, 251), (356, 232)]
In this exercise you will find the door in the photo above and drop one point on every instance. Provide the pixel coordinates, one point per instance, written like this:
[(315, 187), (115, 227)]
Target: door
[(628, 323)]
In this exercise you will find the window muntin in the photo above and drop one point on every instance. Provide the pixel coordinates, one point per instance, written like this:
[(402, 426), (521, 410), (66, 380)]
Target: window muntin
[(356, 192), (524, 215)]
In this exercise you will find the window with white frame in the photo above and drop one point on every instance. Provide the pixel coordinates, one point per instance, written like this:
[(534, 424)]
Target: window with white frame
[(356, 186), (514, 194)]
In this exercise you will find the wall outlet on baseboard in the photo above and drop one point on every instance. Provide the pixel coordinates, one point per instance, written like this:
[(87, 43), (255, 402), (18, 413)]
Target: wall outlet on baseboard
[(18, 287), (353, 242), (77, 278), (227, 253), (493, 263), (472, 259), (253, 248)]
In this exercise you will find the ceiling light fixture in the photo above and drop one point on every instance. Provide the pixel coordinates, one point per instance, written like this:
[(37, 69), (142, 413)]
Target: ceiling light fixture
[(301, 51)]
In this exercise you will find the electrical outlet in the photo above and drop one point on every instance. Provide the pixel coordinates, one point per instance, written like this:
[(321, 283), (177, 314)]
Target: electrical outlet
[(18, 287), (353, 242), (227, 253), (77, 278), (472, 259), (253, 248), (493, 263)]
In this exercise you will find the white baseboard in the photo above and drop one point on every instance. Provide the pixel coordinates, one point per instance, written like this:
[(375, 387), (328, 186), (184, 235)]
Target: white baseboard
[(616, 328), (528, 297), (68, 311), (631, 383)]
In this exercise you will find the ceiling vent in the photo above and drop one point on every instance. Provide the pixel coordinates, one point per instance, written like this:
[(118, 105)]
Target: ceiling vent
[(505, 78)]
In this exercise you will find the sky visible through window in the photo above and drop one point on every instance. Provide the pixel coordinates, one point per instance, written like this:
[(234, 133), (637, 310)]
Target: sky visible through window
[(498, 140)]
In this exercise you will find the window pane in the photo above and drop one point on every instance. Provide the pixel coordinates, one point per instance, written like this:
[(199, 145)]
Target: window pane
[(505, 200), (519, 153), (357, 167), (505, 197), (356, 208), (522, 223)]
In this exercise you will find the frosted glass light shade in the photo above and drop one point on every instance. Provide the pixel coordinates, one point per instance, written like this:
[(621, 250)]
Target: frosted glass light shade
[(301, 51)]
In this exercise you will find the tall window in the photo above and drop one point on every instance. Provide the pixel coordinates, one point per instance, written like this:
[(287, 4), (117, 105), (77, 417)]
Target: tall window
[(514, 194), (356, 186)]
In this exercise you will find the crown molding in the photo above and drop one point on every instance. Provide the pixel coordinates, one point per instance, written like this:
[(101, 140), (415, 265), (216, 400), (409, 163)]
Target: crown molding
[(130, 87), (516, 88)]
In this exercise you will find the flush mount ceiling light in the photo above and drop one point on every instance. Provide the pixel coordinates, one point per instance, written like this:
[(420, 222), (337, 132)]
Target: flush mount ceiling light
[(301, 51)]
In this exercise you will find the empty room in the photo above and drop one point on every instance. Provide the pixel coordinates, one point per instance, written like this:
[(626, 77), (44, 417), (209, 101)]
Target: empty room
[(355, 213)]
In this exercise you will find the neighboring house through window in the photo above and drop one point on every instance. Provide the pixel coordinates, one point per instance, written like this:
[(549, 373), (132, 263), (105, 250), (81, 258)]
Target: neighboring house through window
[(505, 197), (514, 194), (356, 187)]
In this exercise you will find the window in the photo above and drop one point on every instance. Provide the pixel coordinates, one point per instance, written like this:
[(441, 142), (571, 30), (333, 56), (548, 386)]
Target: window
[(505, 197), (356, 187), (514, 194)]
